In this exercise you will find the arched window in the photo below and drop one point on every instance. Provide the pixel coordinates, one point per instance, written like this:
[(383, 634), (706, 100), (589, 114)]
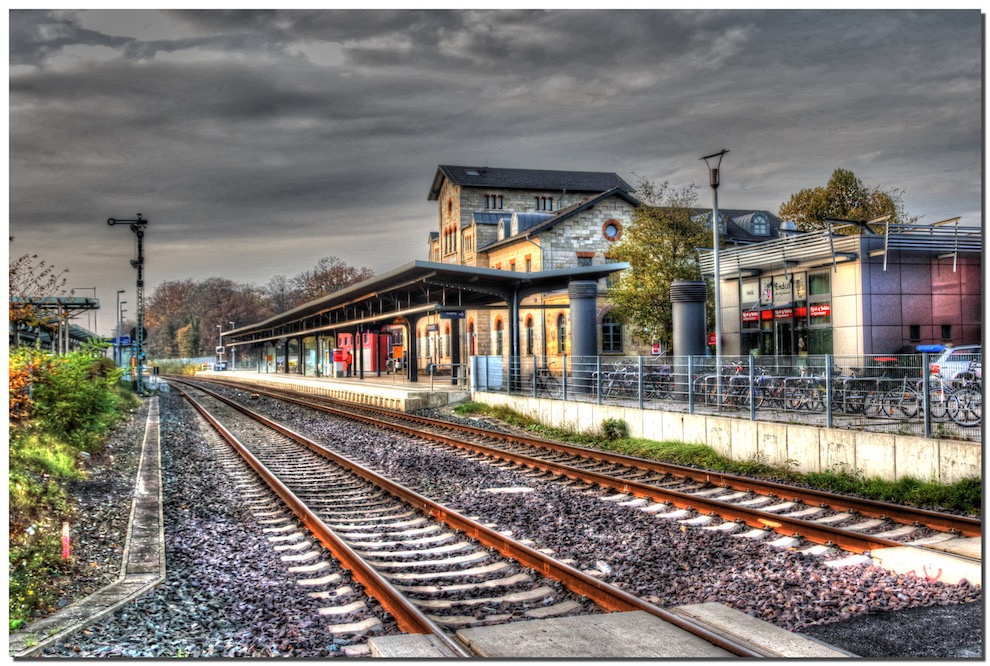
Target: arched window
[(561, 334), (611, 334), (498, 337), (529, 336)]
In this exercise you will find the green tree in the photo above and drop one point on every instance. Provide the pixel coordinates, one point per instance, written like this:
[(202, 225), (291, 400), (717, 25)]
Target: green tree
[(844, 197), (187, 341), (661, 248)]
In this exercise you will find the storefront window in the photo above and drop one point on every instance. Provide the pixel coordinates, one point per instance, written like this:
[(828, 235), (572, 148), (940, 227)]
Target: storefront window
[(819, 284), (820, 341)]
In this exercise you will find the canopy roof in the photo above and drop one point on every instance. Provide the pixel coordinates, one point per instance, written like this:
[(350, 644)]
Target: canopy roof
[(412, 290)]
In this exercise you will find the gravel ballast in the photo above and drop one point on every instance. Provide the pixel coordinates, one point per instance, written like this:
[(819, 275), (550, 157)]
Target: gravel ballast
[(261, 617)]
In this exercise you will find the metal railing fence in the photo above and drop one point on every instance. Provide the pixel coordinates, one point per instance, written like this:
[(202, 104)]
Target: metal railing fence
[(876, 392)]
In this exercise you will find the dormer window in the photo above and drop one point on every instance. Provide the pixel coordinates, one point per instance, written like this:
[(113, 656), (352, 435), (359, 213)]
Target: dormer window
[(759, 225)]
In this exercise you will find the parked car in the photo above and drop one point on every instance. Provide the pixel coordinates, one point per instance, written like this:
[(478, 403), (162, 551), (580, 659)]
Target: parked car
[(954, 363)]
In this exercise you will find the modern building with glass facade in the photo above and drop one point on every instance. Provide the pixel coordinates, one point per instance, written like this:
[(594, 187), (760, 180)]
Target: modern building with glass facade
[(875, 292)]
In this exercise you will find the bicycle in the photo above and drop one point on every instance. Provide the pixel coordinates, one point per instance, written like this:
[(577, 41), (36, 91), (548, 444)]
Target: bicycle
[(620, 382), (966, 402), (545, 382), (658, 383), (907, 399)]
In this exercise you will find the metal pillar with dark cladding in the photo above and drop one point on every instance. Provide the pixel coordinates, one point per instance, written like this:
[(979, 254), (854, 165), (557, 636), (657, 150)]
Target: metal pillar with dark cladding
[(584, 331)]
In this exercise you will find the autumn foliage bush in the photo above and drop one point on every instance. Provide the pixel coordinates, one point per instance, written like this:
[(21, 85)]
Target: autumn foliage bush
[(60, 407)]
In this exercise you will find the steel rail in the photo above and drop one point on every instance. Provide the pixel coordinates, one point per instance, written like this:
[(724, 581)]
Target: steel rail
[(606, 596), (963, 525), (816, 533), (409, 617)]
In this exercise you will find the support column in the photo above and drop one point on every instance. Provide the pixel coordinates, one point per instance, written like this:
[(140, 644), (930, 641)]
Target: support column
[(690, 328), (584, 330), (514, 364), (455, 348), (412, 344)]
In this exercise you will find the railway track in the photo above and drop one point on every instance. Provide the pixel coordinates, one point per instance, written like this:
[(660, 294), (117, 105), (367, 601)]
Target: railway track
[(784, 514), (431, 569)]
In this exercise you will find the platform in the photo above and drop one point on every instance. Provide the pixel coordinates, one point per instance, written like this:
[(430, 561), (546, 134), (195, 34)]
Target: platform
[(386, 391)]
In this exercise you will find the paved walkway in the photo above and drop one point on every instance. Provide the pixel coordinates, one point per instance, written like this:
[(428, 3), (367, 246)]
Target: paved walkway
[(143, 565)]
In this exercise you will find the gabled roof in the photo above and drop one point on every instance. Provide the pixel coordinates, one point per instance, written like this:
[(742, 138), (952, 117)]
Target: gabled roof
[(566, 213), (526, 179)]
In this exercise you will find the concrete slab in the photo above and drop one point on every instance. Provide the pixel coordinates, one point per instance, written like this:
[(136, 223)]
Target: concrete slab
[(631, 635), (928, 564), (735, 624), (409, 646), (971, 547)]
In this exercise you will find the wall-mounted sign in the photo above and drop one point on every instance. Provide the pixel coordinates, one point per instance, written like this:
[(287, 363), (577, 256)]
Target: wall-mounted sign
[(782, 292), (750, 316), (821, 310), (783, 313)]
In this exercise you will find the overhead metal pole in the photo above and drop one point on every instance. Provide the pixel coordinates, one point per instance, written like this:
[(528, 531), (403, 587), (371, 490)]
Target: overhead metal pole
[(137, 226), (713, 179), (116, 352)]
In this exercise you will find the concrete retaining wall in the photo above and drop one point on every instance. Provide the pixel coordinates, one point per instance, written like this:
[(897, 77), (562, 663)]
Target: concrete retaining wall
[(805, 449)]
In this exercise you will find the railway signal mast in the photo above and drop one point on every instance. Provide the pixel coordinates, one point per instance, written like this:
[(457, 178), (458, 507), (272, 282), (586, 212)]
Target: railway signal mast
[(137, 362)]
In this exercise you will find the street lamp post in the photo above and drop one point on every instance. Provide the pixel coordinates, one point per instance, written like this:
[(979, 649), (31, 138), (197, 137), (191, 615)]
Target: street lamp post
[(120, 318), (233, 351), (116, 353), (137, 226), (713, 180)]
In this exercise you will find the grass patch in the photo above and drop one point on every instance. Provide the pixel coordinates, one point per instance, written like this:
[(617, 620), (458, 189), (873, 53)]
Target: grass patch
[(964, 496)]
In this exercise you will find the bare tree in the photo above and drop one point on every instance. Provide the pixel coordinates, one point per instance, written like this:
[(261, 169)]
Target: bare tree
[(329, 275)]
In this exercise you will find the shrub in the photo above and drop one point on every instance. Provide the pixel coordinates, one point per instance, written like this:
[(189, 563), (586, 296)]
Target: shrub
[(615, 429), (75, 395), (60, 406)]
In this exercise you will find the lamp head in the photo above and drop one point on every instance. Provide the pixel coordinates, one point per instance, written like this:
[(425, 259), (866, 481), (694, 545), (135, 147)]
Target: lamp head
[(713, 169)]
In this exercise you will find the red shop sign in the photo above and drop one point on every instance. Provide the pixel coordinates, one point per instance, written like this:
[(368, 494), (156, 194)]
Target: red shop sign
[(750, 316), (821, 310), (783, 313)]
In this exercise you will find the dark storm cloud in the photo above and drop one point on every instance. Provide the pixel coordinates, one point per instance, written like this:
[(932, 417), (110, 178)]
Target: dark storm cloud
[(260, 141)]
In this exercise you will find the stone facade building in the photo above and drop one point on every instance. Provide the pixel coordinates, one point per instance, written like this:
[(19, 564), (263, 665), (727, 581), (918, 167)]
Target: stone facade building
[(525, 220)]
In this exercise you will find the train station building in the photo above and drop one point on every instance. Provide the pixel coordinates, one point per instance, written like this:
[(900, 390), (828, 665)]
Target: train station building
[(516, 250)]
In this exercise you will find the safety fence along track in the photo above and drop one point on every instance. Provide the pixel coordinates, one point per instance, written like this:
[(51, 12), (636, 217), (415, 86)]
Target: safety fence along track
[(432, 569)]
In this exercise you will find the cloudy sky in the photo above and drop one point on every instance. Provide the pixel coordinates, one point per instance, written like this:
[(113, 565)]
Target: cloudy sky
[(257, 142)]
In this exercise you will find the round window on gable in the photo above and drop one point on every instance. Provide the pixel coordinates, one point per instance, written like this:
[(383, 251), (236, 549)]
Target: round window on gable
[(612, 230)]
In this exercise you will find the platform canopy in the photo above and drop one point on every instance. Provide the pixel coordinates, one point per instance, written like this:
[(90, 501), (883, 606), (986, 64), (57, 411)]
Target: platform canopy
[(409, 292)]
